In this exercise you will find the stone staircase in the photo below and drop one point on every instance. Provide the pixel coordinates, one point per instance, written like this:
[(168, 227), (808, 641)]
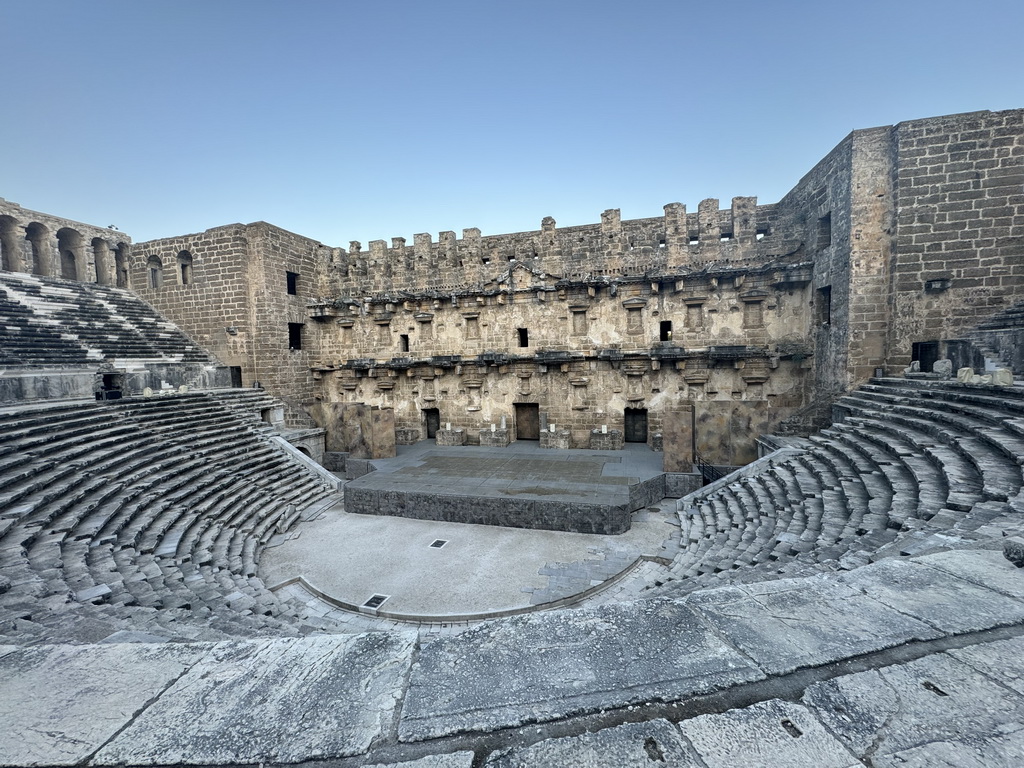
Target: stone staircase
[(146, 515)]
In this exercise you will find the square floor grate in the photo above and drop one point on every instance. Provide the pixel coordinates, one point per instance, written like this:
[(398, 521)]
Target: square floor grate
[(438, 543), (376, 601)]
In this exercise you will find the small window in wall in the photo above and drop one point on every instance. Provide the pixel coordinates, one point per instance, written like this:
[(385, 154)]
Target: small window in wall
[(694, 315), (824, 309), (579, 323), (665, 330), (294, 335), (825, 231), (184, 267), (155, 268), (524, 337), (634, 321), (292, 279), (403, 340), (472, 328), (753, 314)]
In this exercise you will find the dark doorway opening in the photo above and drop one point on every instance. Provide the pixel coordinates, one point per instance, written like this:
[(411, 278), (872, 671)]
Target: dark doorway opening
[(527, 421), (433, 419), (666, 330), (926, 353), (236, 376), (111, 386), (636, 425)]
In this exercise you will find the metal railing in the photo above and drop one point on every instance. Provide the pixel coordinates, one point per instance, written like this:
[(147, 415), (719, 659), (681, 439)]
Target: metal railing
[(709, 472)]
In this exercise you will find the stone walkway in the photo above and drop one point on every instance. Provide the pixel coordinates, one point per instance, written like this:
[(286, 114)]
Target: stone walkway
[(909, 662)]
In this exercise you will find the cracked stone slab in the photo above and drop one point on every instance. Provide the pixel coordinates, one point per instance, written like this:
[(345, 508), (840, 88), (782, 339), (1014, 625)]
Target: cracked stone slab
[(451, 760), (787, 624), (541, 667), (1005, 750), (986, 568), (634, 745), (904, 706), (765, 735), (1002, 660), (934, 595), (61, 703), (282, 700)]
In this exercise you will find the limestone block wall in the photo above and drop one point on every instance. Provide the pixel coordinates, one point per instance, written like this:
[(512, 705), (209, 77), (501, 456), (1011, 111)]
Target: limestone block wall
[(959, 236), (229, 288), (608, 249), (43, 244), (211, 302)]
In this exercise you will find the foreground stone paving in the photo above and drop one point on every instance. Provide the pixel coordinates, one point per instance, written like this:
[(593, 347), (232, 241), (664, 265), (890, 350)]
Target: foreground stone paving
[(796, 672)]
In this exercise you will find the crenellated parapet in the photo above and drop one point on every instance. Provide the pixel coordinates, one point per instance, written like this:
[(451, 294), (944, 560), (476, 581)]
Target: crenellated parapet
[(613, 248)]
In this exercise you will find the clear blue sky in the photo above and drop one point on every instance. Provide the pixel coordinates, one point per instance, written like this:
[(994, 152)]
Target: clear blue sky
[(368, 120)]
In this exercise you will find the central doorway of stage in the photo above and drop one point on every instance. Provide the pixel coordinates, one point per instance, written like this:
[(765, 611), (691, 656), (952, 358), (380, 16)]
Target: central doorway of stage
[(433, 419), (635, 429), (527, 421)]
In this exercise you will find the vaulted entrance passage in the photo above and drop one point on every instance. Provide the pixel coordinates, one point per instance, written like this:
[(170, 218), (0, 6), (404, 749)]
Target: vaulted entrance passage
[(527, 421), (635, 430), (433, 419)]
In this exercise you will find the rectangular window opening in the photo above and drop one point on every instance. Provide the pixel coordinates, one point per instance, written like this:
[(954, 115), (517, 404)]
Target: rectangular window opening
[(292, 279), (294, 335), (825, 231), (825, 305), (666, 330), (403, 339), (524, 337)]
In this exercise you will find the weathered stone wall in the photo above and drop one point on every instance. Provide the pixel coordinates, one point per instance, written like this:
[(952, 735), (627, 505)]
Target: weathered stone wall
[(959, 236), (610, 249), (43, 244), (233, 299)]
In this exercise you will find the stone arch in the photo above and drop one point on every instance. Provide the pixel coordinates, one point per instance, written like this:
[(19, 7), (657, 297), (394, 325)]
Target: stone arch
[(69, 245), (38, 237), (155, 271), (101, 260), (184, 268), (121, 272), (10, 245)]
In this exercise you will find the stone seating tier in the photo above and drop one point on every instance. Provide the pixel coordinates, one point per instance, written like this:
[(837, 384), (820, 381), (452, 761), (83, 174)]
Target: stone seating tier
[(81, 521), (51, 322)]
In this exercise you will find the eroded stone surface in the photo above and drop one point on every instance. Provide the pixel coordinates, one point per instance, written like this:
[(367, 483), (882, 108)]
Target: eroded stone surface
[(634, 745), (453, 760), (1003, 661), (59, 704), (766, 735), (904, 706), (546, 666), (1005, 750), (945, 601), (791, 623), (278, 700)]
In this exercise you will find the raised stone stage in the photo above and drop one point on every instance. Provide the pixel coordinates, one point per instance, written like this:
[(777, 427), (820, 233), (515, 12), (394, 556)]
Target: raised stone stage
[(521, 486)]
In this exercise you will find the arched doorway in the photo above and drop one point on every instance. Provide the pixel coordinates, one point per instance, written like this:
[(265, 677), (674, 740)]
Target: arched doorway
[(69, 245), (38, 237)]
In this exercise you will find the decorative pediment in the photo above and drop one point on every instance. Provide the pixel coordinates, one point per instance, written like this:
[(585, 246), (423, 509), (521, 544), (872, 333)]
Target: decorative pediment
[(522, 277)]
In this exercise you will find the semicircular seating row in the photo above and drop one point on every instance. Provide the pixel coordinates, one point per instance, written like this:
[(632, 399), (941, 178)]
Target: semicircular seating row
[(908, 466), (147, 515)]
